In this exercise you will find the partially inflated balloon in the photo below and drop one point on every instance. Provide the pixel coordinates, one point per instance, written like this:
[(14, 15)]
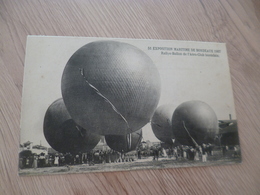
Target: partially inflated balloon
[(110, 87), (63, 134), (162, 123), (124, 143), (194, 122)]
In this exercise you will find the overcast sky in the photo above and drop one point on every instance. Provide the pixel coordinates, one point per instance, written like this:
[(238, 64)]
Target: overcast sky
[(183, 78)]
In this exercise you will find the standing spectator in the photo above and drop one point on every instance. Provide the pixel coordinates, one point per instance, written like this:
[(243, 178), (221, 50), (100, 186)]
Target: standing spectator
[(50, 160), (109, 156), (184, 153), (123, 156), (191, 153), (77, 159), (204, 153), (35, 162), (175, 153), (224, 150), (181, 151), (67, 159), (62, 160), (197, 157), (80, 158), (210, 149), (139, 154), (56, 160), (200, 151), (156, 154), (84, 158), (42, 160), (188, 152), (90, 157), (235, 151)]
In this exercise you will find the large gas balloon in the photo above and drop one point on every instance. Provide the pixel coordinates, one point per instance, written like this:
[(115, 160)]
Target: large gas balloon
[(110, 87), (124, 143), (63, 134), (162, 123), (194, 122), (228, 132)]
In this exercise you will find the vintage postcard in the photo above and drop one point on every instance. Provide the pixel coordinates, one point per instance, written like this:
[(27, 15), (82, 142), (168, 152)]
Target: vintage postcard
[(107, 104)]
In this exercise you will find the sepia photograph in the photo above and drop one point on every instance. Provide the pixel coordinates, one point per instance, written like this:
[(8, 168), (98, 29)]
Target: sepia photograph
[(107, 104)]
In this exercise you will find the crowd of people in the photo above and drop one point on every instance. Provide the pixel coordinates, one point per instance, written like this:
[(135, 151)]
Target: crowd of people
[(184, 152), (59, 159), (110, 156), (196, 153), (91, 158)]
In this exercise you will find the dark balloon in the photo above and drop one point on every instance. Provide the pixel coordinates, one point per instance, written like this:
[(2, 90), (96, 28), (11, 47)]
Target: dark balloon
[(162, 124), (228, 132), (194, 122), (124, 143), (63, 134), (110, 87)]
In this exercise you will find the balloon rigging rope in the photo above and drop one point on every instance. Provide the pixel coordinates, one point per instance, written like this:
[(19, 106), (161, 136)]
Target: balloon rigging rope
[(79, 131), (155, 123), (101, 95), (189, 134), (129, 141)]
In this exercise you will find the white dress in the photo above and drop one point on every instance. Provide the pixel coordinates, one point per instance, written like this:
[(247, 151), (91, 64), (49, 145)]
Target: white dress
[(56, 161)]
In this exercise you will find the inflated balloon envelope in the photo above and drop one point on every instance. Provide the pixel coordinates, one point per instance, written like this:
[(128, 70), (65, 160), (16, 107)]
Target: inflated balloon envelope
[(63, 134), (78, 89), (161, 123), (194, 123), (111, 87), (124, 143)]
